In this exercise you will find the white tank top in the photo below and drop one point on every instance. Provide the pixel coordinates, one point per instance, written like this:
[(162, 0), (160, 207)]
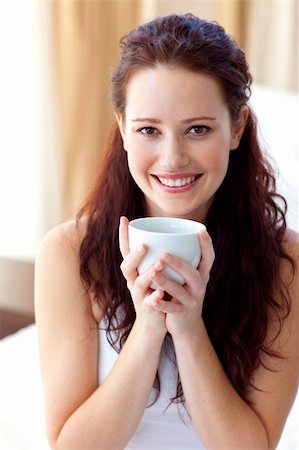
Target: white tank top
[(164, 425)]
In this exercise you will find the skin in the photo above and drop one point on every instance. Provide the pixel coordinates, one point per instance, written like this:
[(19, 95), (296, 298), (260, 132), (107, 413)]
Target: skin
[(81, 414)]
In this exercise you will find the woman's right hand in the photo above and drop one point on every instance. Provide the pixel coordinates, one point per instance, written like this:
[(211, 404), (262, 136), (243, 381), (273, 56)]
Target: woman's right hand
[(143, 296)]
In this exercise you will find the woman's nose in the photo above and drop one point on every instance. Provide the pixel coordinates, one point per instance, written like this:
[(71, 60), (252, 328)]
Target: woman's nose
[(173, 154)]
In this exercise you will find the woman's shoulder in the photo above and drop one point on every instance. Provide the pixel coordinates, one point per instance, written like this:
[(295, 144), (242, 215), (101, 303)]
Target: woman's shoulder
[(58, 266), (292, 235), (291, 244), (65, 237), (290, 272), (57, 263)]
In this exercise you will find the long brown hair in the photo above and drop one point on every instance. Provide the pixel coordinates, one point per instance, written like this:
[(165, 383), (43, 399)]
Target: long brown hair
[(246, 219)]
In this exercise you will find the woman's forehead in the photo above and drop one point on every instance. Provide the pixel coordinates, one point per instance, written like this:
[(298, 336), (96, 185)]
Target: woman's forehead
[(173, 89)]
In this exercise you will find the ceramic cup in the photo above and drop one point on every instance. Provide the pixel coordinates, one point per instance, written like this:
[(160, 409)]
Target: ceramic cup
[(166, 234)]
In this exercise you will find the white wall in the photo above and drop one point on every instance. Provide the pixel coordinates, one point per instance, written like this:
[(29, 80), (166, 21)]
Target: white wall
[(278, 114), (27, 133)]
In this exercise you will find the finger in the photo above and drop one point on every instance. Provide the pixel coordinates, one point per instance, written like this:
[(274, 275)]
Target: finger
[(144, 280), (124, 236), (171, 287), (154, 297), (190, 275), (207, 252), (131, 262), (166, 307)]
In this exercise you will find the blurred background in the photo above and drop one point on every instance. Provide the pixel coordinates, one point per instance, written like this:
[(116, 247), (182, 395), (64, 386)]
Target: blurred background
[(55, 63)]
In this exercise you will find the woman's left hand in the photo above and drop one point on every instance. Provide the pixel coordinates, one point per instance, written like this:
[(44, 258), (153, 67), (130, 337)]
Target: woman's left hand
[(183, 311)]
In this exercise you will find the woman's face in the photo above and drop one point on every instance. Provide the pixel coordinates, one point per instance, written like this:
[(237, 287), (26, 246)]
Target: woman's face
[(178, 136)]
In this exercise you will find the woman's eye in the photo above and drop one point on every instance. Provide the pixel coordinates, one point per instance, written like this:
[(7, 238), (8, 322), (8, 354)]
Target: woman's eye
[(199, 130), (148, 131)]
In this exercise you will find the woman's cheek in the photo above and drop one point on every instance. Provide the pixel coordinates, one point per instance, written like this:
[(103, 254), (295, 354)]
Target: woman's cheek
[(214, 160)]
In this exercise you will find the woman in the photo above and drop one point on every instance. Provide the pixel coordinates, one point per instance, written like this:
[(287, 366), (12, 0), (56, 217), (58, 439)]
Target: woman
[(211, 364)]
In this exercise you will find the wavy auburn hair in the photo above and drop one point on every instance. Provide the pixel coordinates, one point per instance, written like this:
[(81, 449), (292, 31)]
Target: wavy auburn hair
[(246, 219)]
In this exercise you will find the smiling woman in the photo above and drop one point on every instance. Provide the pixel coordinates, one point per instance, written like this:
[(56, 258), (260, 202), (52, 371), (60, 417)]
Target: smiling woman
[(126, 366)]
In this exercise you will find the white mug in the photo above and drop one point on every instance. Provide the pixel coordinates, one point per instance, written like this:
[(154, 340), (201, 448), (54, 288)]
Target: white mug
[(166, 235)]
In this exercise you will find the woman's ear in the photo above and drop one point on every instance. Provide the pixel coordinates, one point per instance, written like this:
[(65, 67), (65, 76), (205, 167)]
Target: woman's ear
[(239, 126), (121, 126)]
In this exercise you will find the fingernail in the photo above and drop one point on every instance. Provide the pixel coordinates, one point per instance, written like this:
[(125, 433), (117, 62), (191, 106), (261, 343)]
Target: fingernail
[(167, 258), (159, 294), (205, 234), (152, 274), (140, 248), (158, 265)]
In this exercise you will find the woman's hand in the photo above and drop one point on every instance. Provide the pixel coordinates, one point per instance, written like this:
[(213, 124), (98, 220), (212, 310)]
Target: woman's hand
[(143, 297), (183, 311)]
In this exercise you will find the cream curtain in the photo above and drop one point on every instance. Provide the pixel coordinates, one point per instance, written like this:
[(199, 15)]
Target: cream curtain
[(271, 42), (85, 48), (229, 13), (266, 29)]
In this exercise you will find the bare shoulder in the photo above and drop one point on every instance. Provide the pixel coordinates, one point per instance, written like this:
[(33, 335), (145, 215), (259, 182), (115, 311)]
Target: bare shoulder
[(291, 276), (58, 284), (57, 256), (291, 243), (65, 238)]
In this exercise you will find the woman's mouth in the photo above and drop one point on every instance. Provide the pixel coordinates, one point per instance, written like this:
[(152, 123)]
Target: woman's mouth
[(176, 183)]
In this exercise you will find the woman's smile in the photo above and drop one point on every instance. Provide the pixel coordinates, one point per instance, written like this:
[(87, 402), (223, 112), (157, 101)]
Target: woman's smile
[(176, 183)]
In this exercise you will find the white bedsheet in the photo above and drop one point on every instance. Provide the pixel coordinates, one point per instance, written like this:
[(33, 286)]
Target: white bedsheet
[(22, 424)]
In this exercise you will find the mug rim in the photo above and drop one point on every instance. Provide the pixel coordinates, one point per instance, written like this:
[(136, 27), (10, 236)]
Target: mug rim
[(195, 226)]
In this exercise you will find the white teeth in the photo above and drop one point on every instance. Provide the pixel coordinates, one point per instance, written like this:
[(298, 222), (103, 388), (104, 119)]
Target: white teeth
[(179, 182)]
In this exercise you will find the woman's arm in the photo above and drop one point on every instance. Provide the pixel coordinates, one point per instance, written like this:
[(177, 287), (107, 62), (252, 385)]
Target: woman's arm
[(79, 413), (222, 418)]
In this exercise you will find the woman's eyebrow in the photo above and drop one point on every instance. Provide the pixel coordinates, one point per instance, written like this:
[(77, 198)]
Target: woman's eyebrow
[(156, 121), (146, 119), (194, 119)]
